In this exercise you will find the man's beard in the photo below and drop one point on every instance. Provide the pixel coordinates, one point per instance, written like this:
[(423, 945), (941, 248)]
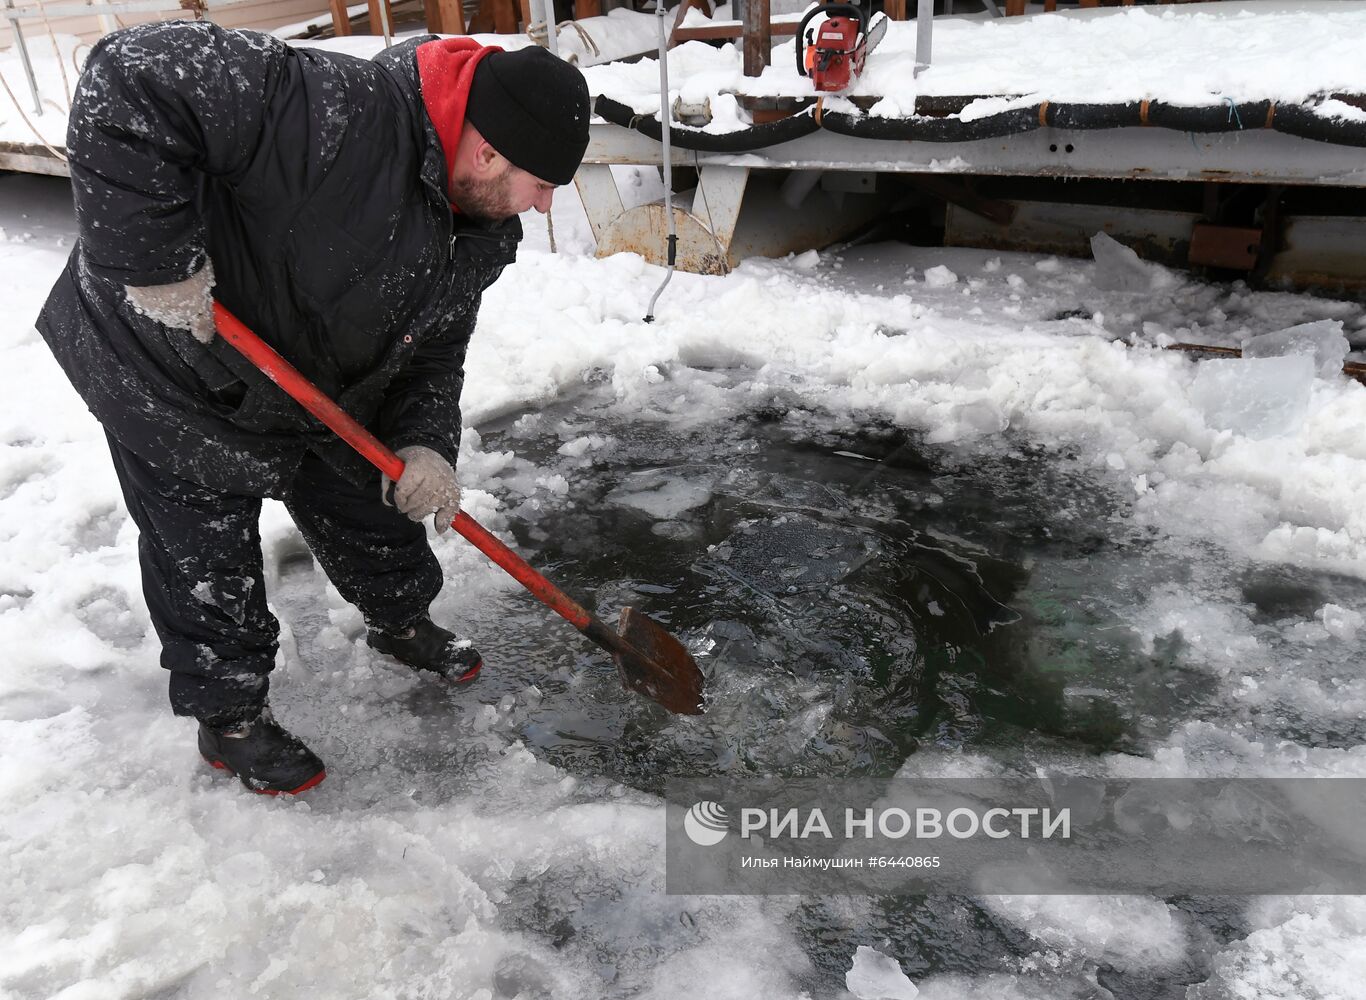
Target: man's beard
[(484, 200)]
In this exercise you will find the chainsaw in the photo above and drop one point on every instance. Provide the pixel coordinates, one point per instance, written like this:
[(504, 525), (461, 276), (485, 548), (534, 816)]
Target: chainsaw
[(832, 51)]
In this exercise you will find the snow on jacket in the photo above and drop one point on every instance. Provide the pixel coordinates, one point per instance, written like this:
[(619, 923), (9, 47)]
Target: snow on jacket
[(316, 182)]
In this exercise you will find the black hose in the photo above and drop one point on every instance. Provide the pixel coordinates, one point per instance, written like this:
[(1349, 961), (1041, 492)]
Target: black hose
[(1294, 119), (1227, 117), (924, 128), (1297, 120), (1093, 116), (743, 141)]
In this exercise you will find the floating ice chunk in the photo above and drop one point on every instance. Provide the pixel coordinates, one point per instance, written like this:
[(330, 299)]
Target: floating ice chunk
[(679, 531), (1119, 269), (1341, 622), (575, 448), (940, 276), (556, 484), (1255, 397), (969, 420), (1137, 934), (1322, 340), (874, 976), (660, 497), (1083, 796), (580, 445)]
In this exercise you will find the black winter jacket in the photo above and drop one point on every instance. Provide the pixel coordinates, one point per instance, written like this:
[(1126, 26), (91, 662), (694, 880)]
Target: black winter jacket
[(316, 183)]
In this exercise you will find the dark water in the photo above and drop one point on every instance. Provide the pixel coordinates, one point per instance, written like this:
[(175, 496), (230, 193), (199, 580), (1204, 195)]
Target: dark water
[(853, 597)]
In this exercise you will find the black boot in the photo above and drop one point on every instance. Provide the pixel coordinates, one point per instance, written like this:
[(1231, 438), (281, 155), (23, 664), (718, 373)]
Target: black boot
[(266, 758), (427, 646)]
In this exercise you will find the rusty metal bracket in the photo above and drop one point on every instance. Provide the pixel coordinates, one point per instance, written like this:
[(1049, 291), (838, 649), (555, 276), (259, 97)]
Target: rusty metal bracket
[(1236, 248)]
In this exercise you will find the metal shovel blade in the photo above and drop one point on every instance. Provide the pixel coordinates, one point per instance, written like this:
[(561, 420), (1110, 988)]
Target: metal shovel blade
[(657, 666)]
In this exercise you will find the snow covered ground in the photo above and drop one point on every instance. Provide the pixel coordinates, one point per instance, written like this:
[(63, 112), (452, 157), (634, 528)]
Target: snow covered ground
[(458, 849)]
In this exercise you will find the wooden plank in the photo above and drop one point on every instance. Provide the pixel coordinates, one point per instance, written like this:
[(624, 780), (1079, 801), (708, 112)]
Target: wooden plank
[(587, 8), (444, 17), (505, 17), (895, 9), (376, 23), (494, 16), (341, 21), (680, 13), (31, 159), (758, 35), (727, 30)]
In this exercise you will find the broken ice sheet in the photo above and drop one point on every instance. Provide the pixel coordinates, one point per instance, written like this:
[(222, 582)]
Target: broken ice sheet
[(1321, 340), (875, 976), (969, 420), (1254, 397), (1119, 269), (790, 554), (663, 494)]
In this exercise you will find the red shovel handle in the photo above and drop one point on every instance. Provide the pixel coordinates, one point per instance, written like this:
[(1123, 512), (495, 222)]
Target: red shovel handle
[(288, 378)]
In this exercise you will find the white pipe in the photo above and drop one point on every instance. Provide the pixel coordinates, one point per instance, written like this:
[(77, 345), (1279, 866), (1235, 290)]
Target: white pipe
[(23, 57), (384, 22), (924, 28), (666, 124), (552, 31)]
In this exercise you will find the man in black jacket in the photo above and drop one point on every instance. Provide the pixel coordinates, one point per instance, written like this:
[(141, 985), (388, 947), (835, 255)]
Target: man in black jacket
[(352, 213)]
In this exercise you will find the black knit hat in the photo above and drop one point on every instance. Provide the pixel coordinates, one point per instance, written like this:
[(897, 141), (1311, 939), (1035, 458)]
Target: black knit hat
[(533, 108)]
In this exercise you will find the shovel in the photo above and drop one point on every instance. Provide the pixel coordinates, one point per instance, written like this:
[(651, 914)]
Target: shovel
[(649, 660)]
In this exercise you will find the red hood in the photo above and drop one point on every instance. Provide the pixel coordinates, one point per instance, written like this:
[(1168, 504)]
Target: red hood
[(445, 68)]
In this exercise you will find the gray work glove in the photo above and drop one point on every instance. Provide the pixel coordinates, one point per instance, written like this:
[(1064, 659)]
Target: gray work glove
[(182, 305), (427, 486)]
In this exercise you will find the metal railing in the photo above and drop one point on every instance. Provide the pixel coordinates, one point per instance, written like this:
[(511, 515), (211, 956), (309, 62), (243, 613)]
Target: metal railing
[(44, 11)]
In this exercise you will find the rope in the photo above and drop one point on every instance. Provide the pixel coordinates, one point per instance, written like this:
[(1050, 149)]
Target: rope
[(1233, 112), (75, 52), (702, 190), (539, 34), (19, 108), (66, 83)]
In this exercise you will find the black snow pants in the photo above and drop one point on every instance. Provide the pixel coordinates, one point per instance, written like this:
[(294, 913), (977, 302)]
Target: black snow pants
[(200, 551)]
